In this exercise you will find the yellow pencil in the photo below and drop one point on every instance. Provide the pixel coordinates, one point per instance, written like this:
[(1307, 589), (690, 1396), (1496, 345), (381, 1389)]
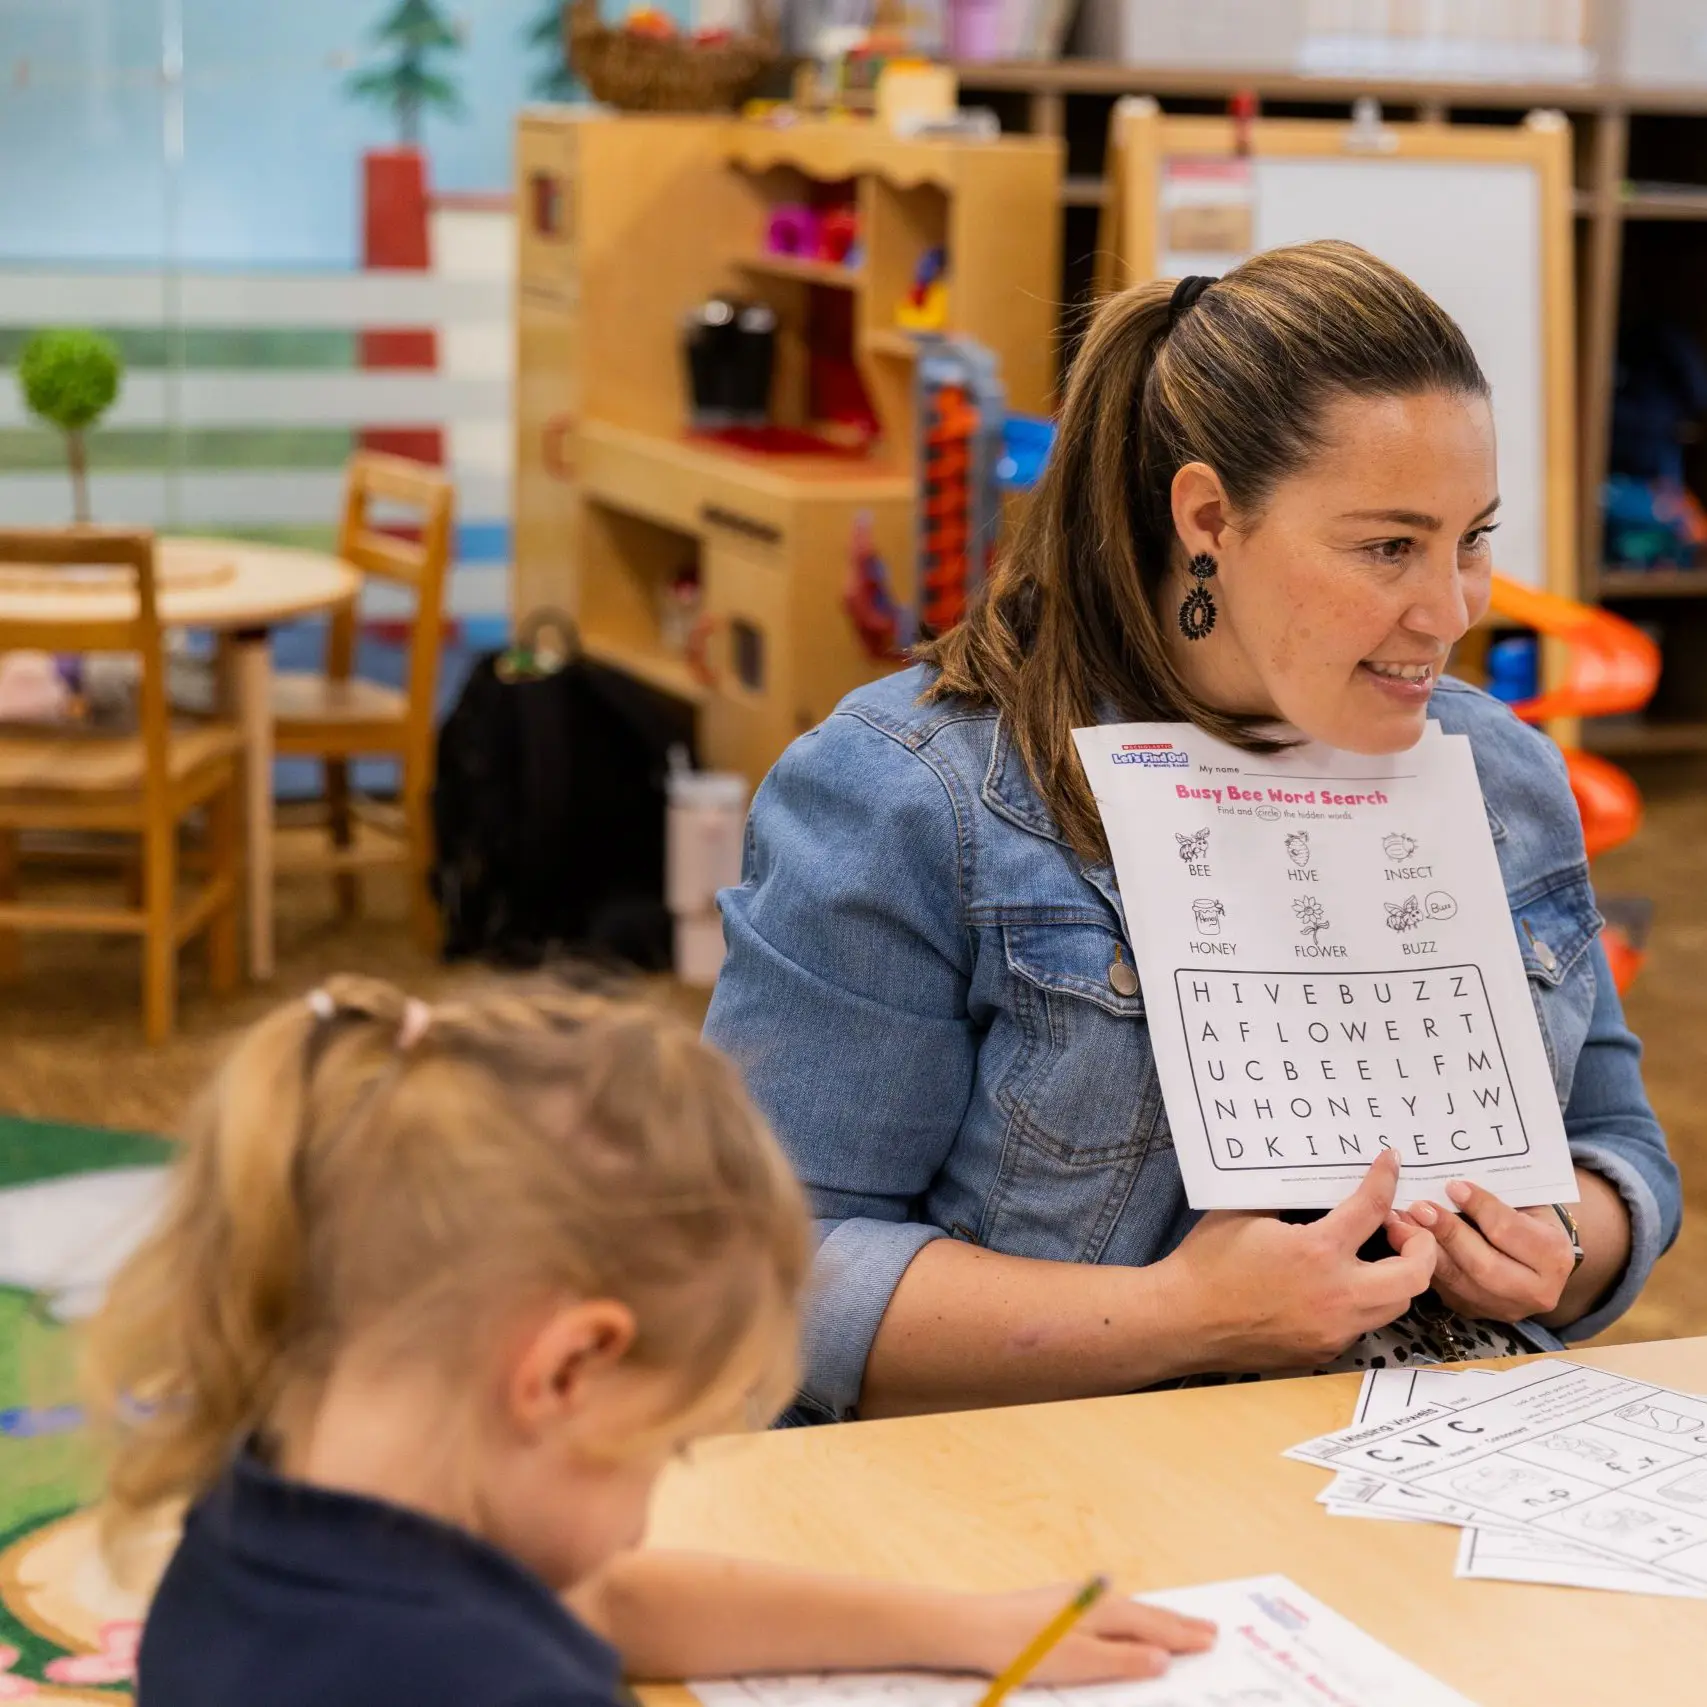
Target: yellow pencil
[(1031, 1656)]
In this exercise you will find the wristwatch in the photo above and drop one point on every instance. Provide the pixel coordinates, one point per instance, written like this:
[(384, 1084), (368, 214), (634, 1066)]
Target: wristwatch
[(1569, 1222)]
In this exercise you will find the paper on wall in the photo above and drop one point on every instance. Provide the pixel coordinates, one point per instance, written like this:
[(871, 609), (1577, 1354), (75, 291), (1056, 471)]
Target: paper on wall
[(1329, 968), (1278, 1646)]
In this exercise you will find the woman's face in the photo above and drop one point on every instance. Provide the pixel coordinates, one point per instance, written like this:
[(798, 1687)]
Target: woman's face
[(1339, 603)]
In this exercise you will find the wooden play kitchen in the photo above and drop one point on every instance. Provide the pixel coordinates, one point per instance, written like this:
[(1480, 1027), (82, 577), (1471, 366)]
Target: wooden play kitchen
[(716, 563)]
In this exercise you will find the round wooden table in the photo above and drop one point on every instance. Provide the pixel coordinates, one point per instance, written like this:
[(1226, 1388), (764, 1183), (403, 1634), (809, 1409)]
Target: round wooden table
[(240, 592)]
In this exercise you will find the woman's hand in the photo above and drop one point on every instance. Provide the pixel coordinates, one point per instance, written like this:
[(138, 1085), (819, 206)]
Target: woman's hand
[(1493, 1263), (1269, 1294), (1116, 1639), (1500, 1264)]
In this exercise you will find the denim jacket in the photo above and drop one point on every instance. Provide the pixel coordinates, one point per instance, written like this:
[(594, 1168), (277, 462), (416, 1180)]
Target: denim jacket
[(917, 992)]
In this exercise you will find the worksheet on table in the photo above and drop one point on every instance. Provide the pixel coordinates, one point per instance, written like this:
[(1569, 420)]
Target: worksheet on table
[(1278, 1647), (1329, 968), (1617, 1465)]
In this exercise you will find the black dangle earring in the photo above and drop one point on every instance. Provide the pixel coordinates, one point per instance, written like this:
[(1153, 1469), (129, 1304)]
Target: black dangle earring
[(1197, 613)]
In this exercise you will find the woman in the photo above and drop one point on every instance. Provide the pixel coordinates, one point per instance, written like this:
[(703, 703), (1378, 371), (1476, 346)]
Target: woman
[(1270, 502)]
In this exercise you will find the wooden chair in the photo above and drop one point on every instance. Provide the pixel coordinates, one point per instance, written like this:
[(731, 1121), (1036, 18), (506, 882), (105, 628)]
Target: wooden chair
[(336, 717), (141, 782)]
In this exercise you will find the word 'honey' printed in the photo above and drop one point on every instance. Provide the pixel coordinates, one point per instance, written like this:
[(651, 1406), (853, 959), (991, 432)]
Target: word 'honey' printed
[(1299, 1070)]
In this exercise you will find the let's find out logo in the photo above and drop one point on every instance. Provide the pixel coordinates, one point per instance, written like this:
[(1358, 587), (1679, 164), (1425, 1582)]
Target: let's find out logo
[(1157, 755)]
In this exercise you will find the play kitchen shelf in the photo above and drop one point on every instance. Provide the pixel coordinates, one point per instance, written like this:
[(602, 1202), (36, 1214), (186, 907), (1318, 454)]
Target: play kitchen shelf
[(715, 566)]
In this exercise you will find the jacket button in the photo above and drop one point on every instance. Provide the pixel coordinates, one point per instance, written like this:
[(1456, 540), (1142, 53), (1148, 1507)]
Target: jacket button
[(1549, 960), (1122, 978)]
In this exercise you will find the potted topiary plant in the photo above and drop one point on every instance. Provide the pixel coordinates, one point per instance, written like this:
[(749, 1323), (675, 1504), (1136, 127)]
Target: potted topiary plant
[(69, 378)]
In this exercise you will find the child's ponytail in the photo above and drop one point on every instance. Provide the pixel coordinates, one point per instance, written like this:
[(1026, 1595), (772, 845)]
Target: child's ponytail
[(368, 1171)]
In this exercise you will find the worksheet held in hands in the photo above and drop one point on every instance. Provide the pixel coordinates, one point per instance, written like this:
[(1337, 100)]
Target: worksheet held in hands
[(1329, 968), (1278, 1647)]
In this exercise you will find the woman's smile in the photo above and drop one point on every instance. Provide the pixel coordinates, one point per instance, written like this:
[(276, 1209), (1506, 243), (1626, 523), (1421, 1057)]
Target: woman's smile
[(1408, 684)]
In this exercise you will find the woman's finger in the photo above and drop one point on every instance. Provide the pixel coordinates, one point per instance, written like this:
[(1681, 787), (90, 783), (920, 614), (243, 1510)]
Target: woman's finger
[(1516, 1232)]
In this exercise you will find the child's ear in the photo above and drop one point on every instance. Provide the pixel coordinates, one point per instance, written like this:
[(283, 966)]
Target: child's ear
[(563, 1357)]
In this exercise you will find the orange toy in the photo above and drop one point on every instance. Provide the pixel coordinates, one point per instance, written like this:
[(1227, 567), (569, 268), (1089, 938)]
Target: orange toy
[(1612, 667)]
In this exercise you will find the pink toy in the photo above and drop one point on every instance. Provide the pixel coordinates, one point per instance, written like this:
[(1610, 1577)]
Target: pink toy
[(793, 231)]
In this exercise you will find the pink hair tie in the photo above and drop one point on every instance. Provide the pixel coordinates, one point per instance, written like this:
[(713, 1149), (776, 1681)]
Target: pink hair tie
[(417, 1016)]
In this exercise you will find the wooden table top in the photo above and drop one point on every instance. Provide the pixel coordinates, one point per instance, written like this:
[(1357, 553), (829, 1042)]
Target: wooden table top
[(201, 583), (1165, 1490)]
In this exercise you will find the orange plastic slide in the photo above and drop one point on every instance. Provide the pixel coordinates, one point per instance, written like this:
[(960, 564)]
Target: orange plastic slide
[(1611, 667)]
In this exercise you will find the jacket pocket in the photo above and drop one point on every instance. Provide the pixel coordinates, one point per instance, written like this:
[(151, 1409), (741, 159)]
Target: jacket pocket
[(1555, 930), (1080, 1094)]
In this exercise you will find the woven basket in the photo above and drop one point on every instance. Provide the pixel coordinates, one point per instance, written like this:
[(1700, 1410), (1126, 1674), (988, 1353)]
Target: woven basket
[(650, 74)]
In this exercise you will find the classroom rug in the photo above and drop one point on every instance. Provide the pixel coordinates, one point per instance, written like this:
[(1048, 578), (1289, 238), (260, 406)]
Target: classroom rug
[(73, 1201)]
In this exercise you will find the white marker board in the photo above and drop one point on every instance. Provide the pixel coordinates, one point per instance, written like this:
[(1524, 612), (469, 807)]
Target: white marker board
[(1479, 216)]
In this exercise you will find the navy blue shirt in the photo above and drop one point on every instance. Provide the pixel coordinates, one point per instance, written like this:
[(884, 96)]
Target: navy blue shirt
[(282, 1594)]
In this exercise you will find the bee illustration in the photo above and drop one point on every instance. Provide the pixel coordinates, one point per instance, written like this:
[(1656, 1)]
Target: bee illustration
[(1193, 847), (1404, 915)]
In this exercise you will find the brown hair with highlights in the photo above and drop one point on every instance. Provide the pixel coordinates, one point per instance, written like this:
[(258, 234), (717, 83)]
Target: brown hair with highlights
[(1071, 627)]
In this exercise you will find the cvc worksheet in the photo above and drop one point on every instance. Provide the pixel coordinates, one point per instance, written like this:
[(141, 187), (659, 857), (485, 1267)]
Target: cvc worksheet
[(1329, 968)]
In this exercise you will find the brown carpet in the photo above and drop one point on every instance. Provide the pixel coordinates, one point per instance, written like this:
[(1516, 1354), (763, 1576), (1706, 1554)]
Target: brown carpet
[(71, 1047)]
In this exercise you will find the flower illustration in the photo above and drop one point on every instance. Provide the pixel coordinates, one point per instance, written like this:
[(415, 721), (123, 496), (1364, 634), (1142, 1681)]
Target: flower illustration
[(1311, 916)]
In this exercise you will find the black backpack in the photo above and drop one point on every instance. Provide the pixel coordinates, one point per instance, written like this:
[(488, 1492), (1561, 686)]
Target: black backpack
[(548, 812)]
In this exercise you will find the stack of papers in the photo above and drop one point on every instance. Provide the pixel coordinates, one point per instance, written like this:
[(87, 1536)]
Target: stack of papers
[(1556, 1473), (1278, 1647)]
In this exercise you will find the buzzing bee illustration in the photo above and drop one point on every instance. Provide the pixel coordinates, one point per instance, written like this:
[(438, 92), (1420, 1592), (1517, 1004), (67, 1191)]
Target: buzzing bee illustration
[(1403, 915), (1193, 847)]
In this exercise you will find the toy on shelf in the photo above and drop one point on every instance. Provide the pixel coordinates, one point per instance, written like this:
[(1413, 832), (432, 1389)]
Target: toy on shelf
[(731, 356), (886, 628), (962, 415), (926, 306), (813, 234)]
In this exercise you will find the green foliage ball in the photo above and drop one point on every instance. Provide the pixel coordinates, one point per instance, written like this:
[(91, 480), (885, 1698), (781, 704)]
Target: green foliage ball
[(70, 377)]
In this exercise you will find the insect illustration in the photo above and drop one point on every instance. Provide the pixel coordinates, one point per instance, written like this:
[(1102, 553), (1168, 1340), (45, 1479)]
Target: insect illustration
[(1398, 848), (1311, 914), (1298, 847), (1193, 847), (1403, 915)]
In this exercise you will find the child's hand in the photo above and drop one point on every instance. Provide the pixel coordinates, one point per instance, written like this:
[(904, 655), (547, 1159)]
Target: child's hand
[(1117, 1638)]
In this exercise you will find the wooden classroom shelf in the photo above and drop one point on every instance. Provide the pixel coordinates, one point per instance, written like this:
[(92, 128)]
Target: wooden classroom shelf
[(661, 670), (628, 223), (1652, 583), (1108, 77), (1663, 201), (891, 341), (807, 271)]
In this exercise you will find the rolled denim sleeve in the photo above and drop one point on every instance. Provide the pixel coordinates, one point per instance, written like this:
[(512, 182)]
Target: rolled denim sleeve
[(1612, 1131), (843, 1001)]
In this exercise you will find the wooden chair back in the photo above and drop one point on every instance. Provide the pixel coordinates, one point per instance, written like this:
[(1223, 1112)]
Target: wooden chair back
[(420, 564), (46, 620)]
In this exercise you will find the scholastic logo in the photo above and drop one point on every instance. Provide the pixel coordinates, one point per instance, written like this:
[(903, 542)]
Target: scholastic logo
[(1286, 1615), (1157, 755)]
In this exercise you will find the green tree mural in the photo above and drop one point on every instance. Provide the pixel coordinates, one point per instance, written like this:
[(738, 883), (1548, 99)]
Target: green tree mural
[(408, 81), (69, 378), (553, 81)]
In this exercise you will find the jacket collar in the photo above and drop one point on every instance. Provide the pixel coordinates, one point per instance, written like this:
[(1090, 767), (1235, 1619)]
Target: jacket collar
[(1009, 792)]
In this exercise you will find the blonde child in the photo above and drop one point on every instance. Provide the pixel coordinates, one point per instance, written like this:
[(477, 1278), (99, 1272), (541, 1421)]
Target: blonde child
[(438, 1296)]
